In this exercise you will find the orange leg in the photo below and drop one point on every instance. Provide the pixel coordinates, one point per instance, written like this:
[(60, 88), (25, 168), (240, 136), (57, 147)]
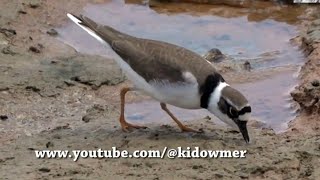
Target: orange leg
[(181, 126), (124, 124)]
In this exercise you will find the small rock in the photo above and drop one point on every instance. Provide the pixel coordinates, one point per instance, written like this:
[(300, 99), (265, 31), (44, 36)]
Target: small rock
[(34, 4), (243, 176), (218, 175), (75, 78), (315, 83), (40, 46), (9, 158), (3, 117), (74, 172), (56, 136), (4, 89), (22, 11), (86, 118), (214, 55), (197, 167), (247, 66), (69, 83), (93, 112), (257, 124), (233, 131), (44, 169), (49, 144), (8, 32), (52, 32), (137, 165), (33, 88), (34, 49), (66, 126), (201, 130), (7, 50), (268, 131), (3, 40), (165, 126)]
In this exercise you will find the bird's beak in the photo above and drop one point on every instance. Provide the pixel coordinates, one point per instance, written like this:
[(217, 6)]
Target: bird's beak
[(243, 129)]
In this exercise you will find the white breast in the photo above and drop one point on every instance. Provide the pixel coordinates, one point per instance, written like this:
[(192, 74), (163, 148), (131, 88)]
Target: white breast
[(184, 95)]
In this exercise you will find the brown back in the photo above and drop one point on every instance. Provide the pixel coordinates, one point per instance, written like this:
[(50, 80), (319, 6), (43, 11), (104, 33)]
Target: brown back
[(151, 59)]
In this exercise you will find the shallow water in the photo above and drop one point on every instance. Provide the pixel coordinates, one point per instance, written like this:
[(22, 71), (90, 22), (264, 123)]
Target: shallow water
[(237, 37)]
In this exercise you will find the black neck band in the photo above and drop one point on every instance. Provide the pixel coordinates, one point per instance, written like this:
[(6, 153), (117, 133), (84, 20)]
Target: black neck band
[(246, 109), (208, 87)]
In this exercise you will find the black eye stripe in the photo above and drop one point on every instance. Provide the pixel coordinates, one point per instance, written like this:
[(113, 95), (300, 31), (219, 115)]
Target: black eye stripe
[(227, 109), (233, 112), (244, 110), (230, 111)]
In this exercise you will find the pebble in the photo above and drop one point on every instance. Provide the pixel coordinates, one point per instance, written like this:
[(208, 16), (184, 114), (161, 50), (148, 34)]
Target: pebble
[(315, 83), (7, 50), (44, 169), (247, 66), (34, 49), (22, 11), (3, 117), (33, 88), (86, 118), (49, 144), (8, 32), (197, 167), (69, 83), (52, 32), (56, 136), (34, 4)]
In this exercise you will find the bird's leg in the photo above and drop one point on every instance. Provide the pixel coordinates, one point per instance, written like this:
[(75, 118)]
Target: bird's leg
[(124, 124), (181, 126)]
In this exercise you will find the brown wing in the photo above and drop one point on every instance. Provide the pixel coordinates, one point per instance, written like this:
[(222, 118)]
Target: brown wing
[(153, 60), (156, 60), (145, 61)]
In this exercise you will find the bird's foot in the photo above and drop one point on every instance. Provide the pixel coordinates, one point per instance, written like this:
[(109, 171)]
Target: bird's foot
[(126, 126), (187, 129)]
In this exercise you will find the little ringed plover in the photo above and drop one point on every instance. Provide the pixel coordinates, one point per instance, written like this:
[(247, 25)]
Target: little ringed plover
[(171, 75)]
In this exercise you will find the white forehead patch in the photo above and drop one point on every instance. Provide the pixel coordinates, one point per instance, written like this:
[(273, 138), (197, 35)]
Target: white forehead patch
[(189, 77)]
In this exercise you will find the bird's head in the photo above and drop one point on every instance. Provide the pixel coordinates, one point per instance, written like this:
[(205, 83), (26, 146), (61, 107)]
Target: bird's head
[(228, 104)]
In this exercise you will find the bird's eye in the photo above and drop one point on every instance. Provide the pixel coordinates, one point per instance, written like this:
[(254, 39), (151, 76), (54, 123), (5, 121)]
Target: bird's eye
[(233, 112)]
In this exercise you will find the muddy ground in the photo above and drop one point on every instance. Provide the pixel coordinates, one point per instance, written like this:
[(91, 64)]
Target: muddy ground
[(55, 98)]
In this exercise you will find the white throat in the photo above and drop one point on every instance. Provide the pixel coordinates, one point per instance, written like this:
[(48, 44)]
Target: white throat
[(216, 94), (213, 105)]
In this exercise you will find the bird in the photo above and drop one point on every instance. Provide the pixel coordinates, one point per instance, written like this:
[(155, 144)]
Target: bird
[(171, 74)]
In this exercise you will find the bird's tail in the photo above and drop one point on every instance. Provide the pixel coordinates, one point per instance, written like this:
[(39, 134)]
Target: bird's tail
[(88, 26), (103, 34)]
